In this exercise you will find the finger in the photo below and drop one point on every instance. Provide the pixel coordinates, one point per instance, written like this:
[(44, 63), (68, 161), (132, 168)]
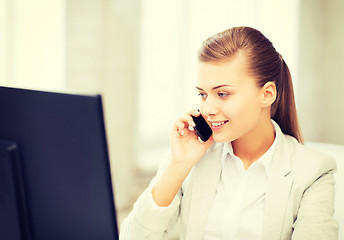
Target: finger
[(191, 129), (179, 127), (188, 120)]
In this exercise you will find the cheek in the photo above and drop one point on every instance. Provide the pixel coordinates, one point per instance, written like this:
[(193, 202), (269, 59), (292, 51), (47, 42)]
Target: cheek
[(243, 109)]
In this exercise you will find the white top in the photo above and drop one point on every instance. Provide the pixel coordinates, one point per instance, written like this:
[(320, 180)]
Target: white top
[(238, 206)]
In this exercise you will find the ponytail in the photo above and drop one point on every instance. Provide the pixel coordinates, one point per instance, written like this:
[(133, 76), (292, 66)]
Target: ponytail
[(264, 63), (283, 110)]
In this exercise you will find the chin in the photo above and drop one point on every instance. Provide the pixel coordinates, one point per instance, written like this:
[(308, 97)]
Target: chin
[(221, 139)]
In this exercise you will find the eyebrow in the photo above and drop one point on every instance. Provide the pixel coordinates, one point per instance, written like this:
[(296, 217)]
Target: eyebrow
[(220, 86)]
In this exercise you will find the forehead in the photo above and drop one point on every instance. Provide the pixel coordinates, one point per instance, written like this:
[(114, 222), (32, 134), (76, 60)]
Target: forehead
[(231, 72)]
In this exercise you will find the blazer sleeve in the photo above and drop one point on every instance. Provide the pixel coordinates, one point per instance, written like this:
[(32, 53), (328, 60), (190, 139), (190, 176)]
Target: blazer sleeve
[(147, 220), (315, 215)]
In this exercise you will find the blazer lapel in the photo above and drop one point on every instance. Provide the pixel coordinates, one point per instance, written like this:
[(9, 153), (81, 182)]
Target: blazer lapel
[(206, 176), (279, 185)]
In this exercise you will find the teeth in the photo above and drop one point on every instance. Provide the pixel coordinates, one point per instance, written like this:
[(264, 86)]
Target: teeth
[(217, 124)]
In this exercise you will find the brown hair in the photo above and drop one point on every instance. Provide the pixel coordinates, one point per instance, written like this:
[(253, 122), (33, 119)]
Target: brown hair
[(264, 63)]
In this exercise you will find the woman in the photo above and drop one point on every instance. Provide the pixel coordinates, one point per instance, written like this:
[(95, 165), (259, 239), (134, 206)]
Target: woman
[(253, 179)]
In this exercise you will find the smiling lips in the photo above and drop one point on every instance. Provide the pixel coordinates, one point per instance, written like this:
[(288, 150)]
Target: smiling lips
[(217, 125)]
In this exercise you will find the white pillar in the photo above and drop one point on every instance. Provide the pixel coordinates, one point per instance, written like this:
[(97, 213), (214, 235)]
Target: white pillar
[(102, 56)]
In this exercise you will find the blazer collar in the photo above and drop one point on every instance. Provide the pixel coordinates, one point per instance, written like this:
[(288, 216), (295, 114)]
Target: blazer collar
[(207, 172), (278, 189)]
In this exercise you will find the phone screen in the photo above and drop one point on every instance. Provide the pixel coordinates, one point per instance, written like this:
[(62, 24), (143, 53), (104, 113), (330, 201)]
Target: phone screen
[(202, 128)]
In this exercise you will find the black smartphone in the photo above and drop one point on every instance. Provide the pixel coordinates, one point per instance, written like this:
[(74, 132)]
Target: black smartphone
[(202, 128)]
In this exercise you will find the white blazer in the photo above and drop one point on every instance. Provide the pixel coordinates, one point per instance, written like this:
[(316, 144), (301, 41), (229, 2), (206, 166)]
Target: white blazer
[(299, 200)]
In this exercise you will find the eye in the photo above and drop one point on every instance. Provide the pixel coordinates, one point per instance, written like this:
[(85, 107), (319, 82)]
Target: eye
[(223, 94), (203, 96)]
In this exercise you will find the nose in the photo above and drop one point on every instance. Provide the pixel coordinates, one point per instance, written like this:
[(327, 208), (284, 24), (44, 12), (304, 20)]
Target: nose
[(209, 107)]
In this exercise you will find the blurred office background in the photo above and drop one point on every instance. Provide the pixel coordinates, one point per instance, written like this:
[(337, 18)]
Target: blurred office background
[(141, 56)]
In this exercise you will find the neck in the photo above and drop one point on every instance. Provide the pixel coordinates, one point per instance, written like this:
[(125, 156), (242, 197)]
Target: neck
[(251, 146)]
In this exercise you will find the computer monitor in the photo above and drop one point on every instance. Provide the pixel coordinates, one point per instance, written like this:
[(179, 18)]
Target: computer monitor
[(55, 180)]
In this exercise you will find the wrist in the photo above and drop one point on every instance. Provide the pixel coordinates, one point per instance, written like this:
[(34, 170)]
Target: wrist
[(179, 169), (169, 184)]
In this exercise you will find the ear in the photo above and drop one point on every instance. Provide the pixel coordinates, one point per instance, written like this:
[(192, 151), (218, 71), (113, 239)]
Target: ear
[(269, 94)]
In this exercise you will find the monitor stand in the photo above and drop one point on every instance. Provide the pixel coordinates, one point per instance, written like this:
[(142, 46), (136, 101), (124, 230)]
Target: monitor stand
[(14, 224)]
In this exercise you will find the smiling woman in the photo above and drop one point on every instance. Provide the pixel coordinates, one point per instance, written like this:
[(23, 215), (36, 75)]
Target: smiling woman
[(253, 178), (266, 66), (231, 96), (167, 84)]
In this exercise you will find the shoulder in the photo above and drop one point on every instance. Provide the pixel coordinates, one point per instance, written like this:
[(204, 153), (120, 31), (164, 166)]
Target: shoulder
[(308, 163)]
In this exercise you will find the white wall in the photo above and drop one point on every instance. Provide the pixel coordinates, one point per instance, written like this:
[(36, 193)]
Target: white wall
[(3, 40), (321, 70), (34, 43)]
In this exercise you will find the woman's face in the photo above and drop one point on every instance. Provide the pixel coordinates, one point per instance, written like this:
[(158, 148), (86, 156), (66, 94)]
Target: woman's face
[(231, 101)]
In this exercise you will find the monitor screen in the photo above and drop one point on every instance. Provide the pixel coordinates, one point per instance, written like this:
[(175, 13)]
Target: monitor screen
[(65, 170)]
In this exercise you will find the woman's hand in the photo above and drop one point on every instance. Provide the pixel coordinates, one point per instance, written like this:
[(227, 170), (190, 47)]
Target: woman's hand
[(186, 151), (186, 147)]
